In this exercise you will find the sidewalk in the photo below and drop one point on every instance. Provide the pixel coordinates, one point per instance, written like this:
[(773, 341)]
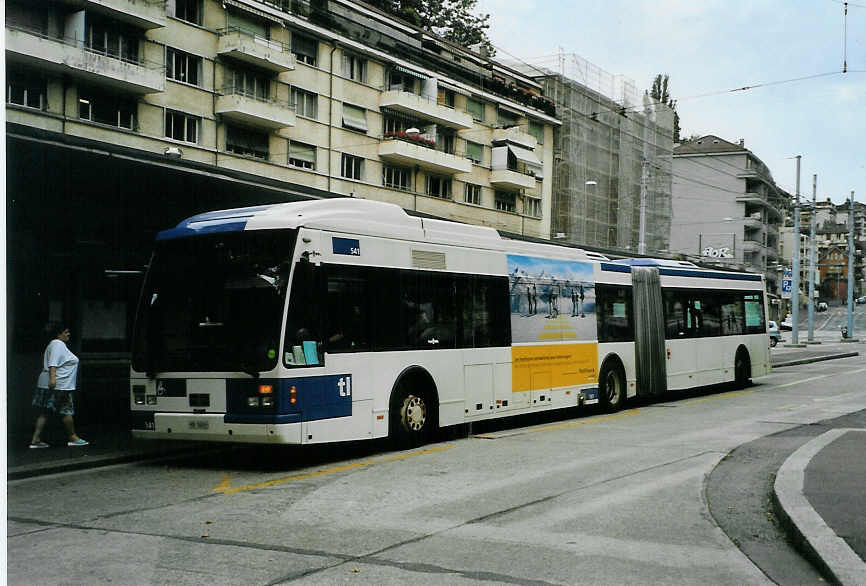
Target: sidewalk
[(823, 474)]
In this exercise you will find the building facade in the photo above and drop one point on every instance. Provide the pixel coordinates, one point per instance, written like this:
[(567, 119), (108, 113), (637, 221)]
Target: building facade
[(125, 116), (726, 207), (612, 159)]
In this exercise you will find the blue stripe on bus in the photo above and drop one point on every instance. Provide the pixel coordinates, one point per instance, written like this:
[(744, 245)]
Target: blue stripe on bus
[(612, 268), (703, 275), (221, 221)]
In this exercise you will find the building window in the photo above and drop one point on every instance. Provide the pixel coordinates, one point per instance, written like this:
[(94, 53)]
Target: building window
[(306, 50), (438, 186), (474, 151), (181, 66), (245, 141), (472, 194), (476, 108), (113, 39), (354, 118), (302, 155), (188, 10), (107, 109), (245, 22), (505, 201), (247, 82), (352, 167), (532, 207), (507, 119), (445, 140), (180, 126), (396, 177), (536, 129), (400, 81), (355, 68), (26, 90), (306, 103), (445, 97)]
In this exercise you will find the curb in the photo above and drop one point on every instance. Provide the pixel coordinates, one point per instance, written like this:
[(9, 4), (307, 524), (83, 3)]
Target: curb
[(43, 469), (830, 553), (814, 359)]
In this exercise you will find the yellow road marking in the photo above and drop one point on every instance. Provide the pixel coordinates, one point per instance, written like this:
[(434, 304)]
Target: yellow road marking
[(225, 486)]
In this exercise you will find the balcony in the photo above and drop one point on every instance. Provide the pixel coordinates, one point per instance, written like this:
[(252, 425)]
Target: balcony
[(68, 57), (255, 50), (757, 199), (410, 153), (753, 247), (425, 108), (508, 179), (143, 14), (237, 105), (515, 136), (751, 223)]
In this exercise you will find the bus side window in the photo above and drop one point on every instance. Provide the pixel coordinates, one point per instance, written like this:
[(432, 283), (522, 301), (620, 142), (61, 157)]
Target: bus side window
[(732, 314), (615, 316), (675, 315), (483, 303), (301, 345), (709, 304), (346, 314)]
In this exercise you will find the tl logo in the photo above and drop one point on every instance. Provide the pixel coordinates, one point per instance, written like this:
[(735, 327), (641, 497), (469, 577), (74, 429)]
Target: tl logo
[(345, 386)]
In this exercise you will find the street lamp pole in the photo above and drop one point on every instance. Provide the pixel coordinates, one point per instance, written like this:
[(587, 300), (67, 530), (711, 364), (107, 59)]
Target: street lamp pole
[(851, 268), (812, 261), (795, 286)]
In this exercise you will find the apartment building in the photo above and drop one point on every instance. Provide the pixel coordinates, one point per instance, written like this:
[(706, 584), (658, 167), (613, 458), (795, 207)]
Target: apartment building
[(726, 207), (125, 116)]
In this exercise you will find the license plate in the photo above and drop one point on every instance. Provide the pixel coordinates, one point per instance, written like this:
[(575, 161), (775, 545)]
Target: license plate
[(199, 424)]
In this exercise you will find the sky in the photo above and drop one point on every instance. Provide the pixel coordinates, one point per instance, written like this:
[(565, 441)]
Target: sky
[(713, 46)]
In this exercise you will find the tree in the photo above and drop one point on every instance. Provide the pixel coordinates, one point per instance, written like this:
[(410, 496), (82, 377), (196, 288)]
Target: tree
[(660, 93), (453, 20)]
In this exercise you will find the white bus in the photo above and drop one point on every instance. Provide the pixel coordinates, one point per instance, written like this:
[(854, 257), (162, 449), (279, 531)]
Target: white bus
[(348, 319)]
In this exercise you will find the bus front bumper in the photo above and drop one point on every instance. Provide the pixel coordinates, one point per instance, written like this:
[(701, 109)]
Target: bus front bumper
[(213, 428)]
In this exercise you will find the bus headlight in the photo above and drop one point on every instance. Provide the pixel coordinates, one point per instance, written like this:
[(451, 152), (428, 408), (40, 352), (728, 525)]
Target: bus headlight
[(267, 401), (252, 402)]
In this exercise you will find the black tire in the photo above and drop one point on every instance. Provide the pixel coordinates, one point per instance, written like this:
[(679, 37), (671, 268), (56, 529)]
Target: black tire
[(742, 369), (412, 417), (773, 342), (611, 387)]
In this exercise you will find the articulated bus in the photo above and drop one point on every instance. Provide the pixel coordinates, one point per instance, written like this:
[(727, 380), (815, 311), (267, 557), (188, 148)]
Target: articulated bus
[(347, 319)]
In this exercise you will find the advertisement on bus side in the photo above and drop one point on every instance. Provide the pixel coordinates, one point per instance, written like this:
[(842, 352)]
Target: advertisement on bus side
[(553, 323)]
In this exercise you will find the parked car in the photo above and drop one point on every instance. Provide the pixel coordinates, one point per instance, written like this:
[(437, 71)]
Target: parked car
[(822, 306), (860, 300), (773, 332), (786, 323)]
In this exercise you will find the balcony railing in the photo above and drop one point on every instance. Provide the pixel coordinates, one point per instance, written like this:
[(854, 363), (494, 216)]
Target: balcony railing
[(241, 105), (427, 108), (255, 49), (404, 150), (73, 57)]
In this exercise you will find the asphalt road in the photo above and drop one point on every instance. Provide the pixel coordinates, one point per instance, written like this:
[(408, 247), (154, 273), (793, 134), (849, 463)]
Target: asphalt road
[(644, 496)]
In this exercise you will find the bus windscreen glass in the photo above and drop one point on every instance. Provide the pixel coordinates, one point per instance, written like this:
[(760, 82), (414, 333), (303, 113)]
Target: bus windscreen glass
[(214, 302)]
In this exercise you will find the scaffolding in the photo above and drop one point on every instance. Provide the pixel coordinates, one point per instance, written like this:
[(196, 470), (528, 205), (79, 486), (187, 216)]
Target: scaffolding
[(609, 151)]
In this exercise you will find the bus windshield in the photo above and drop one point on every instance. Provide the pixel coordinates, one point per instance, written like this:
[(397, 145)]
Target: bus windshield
[(214, 303)]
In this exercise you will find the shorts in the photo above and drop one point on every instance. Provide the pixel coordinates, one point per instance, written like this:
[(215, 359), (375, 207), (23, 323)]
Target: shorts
[(53, 401)]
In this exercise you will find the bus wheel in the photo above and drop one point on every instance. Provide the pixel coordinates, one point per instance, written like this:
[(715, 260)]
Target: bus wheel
[(742, 369), (411, 418), (611, 387)]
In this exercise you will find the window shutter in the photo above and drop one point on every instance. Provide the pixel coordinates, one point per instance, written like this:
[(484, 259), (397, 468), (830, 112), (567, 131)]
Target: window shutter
[(354, 117)]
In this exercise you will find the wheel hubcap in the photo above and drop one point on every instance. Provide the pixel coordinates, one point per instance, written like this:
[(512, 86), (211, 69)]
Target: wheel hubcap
[(414, 413), (611, 386)]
